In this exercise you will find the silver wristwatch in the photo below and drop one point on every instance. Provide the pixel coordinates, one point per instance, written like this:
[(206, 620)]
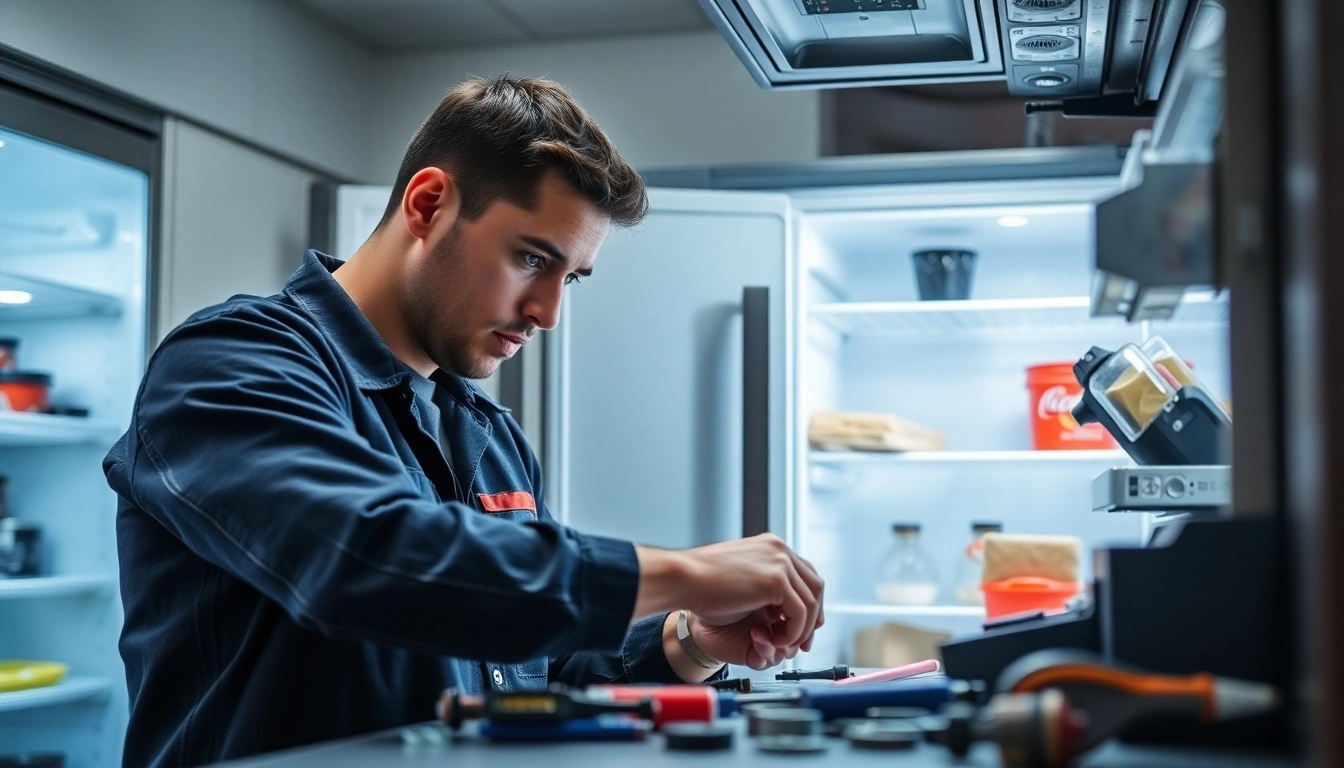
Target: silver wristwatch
[(688, 645)]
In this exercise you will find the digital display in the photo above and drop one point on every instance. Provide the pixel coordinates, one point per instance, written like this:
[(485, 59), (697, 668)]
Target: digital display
[(859, 6)]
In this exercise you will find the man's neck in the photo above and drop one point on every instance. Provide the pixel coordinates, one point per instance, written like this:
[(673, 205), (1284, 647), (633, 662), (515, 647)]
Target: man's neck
[(373, 280)]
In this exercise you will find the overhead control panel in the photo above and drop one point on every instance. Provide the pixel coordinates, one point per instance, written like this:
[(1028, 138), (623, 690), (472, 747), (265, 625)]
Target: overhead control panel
[(1055, 48), (1042, 49)]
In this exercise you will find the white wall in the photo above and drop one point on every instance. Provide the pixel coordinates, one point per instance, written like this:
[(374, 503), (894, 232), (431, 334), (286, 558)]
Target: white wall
[(235, 221), (665, 100), (258, 69)]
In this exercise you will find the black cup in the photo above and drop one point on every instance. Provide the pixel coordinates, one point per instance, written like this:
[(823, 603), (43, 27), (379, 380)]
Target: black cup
[(944, 274), (20, 549)]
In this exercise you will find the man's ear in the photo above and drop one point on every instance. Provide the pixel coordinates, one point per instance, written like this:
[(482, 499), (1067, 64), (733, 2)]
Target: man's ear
[(431, 202)]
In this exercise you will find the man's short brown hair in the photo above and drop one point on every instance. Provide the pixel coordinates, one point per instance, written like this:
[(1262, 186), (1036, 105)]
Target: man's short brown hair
[(499, 136)]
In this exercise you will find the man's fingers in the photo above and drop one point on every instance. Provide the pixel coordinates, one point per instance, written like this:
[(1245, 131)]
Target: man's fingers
[(761, 645), (809, 573), (801, 621)]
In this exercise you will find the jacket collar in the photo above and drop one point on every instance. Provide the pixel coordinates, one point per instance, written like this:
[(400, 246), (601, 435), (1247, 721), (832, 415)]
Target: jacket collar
[(356, 341)]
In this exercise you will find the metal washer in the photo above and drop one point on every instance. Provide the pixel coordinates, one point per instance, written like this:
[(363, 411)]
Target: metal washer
[(785, 722), (792, 743), (700, 737)]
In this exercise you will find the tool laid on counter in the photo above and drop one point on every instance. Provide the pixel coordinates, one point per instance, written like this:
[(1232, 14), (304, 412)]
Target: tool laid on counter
[(895, 673), (600, 728), (670, 703), (838, 672), (930, 693), (552, 706), (736, 684)]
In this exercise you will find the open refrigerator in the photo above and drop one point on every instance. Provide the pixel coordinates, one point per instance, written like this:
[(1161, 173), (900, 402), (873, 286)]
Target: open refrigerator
[(659, 365), (680, 382), (74, 265)]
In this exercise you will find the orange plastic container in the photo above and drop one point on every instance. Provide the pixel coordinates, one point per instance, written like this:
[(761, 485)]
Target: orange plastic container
[(1025, 594), (24, 391), (1054, 393)]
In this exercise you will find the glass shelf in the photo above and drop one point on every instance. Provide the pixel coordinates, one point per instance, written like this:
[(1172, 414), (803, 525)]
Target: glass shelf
[(914, 319), (909, 611), (51, 300), (69, 691), (19, 428), (54, 586), (1110, 458)]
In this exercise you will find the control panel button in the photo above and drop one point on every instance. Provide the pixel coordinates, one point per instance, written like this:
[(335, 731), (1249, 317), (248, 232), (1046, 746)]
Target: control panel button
[(1176, 486)]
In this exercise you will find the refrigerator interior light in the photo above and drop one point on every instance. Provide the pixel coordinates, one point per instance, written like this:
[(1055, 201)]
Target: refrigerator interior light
[(15, 297), (1013, 221)]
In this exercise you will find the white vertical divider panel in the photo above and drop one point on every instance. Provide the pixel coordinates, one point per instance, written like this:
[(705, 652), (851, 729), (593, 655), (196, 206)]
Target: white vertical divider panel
[(235, 221), (650, 371)]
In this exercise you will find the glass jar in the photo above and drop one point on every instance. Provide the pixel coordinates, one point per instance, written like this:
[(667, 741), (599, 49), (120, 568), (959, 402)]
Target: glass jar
[(971, 564), (907, 575)]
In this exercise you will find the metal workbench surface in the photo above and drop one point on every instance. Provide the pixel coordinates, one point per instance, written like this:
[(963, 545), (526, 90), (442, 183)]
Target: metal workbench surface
[(393, 748)]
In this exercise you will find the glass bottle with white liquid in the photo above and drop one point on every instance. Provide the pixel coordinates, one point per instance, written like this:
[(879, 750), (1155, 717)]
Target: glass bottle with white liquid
[(907, 575), (971, 565)]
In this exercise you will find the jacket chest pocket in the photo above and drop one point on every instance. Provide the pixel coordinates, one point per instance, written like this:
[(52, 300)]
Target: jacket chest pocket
[(519, 506)]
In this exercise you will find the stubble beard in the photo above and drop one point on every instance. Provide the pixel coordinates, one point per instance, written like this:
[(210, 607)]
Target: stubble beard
[(439, 331)]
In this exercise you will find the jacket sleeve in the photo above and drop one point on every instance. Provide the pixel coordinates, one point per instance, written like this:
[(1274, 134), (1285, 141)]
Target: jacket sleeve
[(641, 658), (242, 445)]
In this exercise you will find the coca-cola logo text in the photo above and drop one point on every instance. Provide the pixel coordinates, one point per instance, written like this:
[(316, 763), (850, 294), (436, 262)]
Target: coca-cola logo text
[(1057, 400)]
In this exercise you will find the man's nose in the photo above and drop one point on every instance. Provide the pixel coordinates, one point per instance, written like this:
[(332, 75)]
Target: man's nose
[(543, 305)]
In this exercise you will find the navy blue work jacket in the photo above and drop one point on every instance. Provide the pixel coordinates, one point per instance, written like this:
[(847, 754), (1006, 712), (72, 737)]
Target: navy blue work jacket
[(296, 564)]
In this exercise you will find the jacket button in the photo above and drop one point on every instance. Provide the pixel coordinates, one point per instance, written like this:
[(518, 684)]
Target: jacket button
[(499, 677)]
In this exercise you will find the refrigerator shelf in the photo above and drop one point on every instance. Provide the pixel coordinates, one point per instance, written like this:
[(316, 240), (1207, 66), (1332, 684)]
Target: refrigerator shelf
[(19, 429), (954, 457), (50, 300), (54, 586), (72, 690), (908, 611), (896, 319)]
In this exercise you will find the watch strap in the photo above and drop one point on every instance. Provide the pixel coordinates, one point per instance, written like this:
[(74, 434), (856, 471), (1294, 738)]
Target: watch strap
[(689, 647)]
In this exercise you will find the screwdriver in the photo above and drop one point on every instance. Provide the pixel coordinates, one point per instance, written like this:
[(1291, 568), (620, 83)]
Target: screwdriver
[(555, 705)]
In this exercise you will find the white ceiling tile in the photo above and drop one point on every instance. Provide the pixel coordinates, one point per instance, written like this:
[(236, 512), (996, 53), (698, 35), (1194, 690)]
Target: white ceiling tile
[(557, 19), (400, 25)]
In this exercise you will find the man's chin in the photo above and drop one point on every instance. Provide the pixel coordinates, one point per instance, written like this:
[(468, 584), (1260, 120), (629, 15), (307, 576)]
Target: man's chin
[(482, 368)]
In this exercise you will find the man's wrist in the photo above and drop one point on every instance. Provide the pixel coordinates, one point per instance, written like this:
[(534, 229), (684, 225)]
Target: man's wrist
[(664, 580), (686, 668)]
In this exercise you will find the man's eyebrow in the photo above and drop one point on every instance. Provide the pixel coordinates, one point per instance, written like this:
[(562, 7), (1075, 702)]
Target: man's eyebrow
[(553, 252)]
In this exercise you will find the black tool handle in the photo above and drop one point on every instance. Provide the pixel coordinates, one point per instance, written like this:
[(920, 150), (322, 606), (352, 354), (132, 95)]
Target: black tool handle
[(838, 672)]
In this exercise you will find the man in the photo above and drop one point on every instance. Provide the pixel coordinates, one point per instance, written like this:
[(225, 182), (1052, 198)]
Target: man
[(323, 522)]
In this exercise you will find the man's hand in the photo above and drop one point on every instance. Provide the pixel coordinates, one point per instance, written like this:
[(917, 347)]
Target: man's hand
[(755, 601)]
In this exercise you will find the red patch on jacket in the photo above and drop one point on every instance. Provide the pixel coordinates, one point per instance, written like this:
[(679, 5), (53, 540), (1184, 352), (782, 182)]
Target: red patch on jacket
[(508, 501)]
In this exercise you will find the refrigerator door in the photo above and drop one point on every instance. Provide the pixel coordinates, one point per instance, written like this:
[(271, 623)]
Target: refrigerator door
[(650, 384)]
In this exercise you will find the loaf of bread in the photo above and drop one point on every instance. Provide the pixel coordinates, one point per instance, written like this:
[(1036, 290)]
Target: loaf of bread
[(871, 432), (1016, 554)]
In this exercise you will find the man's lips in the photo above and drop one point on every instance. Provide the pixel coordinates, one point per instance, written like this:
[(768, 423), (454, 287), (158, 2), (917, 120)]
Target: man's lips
[(509, 343)]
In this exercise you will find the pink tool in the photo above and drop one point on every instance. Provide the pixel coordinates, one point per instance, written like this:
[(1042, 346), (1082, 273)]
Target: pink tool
[(895, 673)]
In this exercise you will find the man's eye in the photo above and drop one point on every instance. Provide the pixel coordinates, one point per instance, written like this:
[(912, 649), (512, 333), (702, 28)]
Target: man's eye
[(571, 279), (532, 259)]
